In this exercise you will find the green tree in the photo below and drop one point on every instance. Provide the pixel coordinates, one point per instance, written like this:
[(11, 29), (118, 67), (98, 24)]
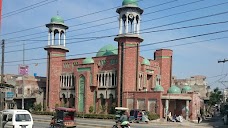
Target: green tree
[(215, 98)]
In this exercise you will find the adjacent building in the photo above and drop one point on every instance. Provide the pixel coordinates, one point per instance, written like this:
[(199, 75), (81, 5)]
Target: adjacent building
[(31, 88), (116, 76)]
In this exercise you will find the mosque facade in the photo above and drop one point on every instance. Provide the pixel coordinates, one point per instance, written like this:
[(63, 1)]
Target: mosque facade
[(116, 76)]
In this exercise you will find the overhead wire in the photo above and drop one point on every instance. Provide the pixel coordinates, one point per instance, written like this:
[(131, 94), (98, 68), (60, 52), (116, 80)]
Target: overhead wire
[(116, 15), (26, 8), (89, 21), (160, 42), (192, 19), (65, 20), (151, 19)]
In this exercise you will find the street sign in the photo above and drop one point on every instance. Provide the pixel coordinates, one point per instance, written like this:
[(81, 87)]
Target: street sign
[(23, 69), (9, 95)]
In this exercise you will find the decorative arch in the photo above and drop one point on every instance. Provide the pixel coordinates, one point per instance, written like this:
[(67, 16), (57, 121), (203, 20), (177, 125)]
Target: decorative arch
[(81, 94)]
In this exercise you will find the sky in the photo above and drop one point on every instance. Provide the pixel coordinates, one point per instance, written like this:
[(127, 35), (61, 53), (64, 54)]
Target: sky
[(164, 24)]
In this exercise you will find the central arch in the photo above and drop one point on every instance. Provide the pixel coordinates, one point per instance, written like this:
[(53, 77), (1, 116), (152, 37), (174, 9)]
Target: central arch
[(81, 94)]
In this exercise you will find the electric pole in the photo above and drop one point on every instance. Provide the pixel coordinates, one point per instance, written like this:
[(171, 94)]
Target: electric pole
[(2, 75), (2, 67), (22, 102), (223, 61)]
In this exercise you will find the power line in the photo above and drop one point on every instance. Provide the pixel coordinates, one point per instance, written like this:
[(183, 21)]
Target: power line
[(19, 10), (160, 30), (192, 19), (200, 25), (65, 20), (183, 44), (161, 42), (146, 8)]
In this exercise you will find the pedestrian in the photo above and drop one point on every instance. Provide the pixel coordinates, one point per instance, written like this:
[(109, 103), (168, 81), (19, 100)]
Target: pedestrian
[(198, 117)]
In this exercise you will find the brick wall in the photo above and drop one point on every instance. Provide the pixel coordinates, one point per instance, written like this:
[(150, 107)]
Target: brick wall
[(56, 57), (164, 58)]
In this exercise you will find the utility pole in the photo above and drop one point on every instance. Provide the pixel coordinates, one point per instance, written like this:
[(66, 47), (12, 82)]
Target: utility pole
[(2, 75), (2, 67), (222, 61), (22, 102)]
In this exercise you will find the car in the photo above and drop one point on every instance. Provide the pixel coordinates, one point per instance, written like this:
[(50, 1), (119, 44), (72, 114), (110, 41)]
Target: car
[(16, 118)]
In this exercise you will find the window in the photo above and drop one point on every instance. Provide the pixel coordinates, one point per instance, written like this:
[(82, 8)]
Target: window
[(22, 117), (10, 116)]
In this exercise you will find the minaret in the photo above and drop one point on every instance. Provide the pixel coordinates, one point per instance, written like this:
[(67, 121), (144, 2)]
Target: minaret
[(56, 52), (128, 48)]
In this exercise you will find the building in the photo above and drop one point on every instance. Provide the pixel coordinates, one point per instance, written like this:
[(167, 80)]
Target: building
[(225, 95), (6, 97), (33, 88), (115, 76), (197, 83)]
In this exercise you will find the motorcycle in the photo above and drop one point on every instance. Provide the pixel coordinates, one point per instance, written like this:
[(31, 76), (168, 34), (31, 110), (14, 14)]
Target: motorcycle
[(124, 124)]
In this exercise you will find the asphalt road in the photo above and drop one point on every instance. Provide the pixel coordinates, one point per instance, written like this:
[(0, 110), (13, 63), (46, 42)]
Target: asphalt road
[(43, 122)]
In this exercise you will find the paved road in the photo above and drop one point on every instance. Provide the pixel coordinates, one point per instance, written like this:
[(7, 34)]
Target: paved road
[(215, 122)]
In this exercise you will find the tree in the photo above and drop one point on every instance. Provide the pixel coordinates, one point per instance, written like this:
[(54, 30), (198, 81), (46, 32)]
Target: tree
[(215, 98)]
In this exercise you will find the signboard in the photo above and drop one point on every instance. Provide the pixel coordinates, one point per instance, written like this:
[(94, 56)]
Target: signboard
[(9, 95), (23, 69)]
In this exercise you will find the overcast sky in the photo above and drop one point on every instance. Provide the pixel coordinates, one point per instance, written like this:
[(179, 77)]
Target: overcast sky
[(197, 55)]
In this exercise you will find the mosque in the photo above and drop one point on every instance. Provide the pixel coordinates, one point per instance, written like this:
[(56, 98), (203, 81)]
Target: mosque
[(116, 76)]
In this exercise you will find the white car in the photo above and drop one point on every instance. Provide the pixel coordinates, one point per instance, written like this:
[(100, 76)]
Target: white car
[(16, 118)]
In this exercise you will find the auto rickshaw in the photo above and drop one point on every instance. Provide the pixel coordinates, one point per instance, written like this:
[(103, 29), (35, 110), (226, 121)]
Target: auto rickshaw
[(119, 112), (137, 115), (63, 118)]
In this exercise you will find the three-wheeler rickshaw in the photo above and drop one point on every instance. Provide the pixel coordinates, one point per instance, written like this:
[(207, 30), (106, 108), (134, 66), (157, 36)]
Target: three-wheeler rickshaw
[(63, 118), (137, 115)]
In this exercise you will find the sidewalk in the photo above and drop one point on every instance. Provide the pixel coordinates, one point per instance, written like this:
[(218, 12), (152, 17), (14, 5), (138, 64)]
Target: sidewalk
[(214, 122)]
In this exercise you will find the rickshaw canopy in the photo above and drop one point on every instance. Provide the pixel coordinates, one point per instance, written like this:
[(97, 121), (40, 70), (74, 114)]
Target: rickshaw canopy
[(121, 108), (65, 109)]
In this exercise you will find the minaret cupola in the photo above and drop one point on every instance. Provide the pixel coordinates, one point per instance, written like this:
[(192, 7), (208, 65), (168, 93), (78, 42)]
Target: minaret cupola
[(57, 32), (129, 17)]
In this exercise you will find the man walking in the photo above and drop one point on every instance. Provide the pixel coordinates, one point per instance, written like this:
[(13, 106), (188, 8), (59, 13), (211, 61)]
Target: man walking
[(198, 117)]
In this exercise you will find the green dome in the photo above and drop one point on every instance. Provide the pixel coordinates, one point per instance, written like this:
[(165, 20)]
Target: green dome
[(107, 51), (146, 61), (158, 88), (174, 90), (88, 60), (186, 89), (130, 2), (57, 19)]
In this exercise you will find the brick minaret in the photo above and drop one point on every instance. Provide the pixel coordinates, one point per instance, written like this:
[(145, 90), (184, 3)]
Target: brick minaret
[(128, 48), (56, 52), (164, 57)]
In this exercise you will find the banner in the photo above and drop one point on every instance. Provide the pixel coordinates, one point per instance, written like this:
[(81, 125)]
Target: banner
[(23, 69)]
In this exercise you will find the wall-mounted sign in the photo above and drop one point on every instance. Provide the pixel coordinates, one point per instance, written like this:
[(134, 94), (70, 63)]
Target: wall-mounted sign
[(9, 95)]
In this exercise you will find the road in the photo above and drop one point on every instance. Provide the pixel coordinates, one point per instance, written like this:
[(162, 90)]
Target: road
[(42, 121)]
